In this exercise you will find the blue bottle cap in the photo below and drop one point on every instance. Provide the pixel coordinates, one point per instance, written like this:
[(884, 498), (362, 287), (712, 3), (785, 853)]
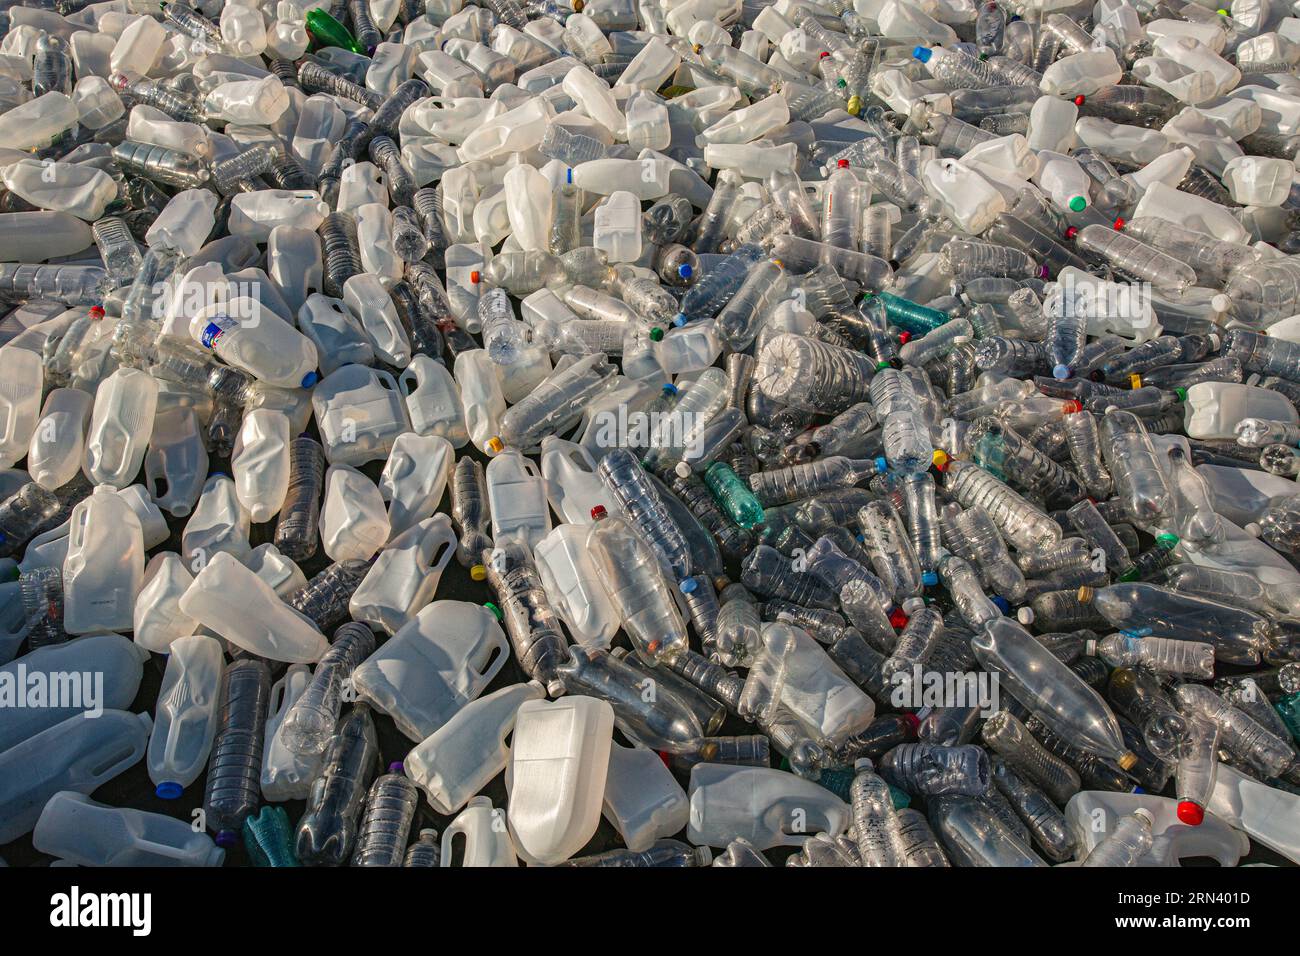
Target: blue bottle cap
[(923, 53), (1061, 372), (1002, 603), (685, 271), (882, 465), (687, 585), (568, 176), (929, 578), (168, 790), (310, 379), (227, 838), (679, 320)]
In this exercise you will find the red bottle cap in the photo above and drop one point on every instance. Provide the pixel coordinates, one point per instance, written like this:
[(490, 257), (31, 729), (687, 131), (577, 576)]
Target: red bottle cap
[(897, 619), (1079, 100), (598, 512), (474, 277), (1190, 813), (1071, 232), (842, 164)]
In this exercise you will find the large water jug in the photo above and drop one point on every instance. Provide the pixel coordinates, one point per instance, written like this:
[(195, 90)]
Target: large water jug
[(643, 799), (360, 413), (246, 336), (104, 568), (574, 587), (464, 754), (404, 578), (353, 520), (81, 831), (765, 806), (177, 462), (21, 378), (185, 720), (219, 524), (485, 837), (58, 441), (236, 604), (572, 484), (260, 462), (559, 758), (158, 618), (481, 396), (414, 478), (76, 754), (433, 400), (87, 675), (517, 498), (286, 774), (434, 666), (125, 404)]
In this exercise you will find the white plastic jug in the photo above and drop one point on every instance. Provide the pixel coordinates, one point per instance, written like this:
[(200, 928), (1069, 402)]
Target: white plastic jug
[(481, 396), (433, 666), (485, 839), (765, 806), (433, 400), (360, 413), (517, 498), (21, 378), (248, 337), (101, 671), (219, 523), (185, 719), (463, 755), (260, 462), (572, 485), (559, 758), (414, 478), (177, 461), (404, 578), (1269, 815), (158, 618), (125, 404), (1093, 814), (79, 830), (75, 754), (104, 568), (1213, 409), (353, 520), (287, 775), (58, 441), (574, 587), (643, 799), (236, 604)]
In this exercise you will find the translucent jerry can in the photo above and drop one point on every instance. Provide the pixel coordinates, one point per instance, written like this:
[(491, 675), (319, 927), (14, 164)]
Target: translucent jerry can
[(414, 478), (478, 837), (1093, 814), (340, 339), (643, 799), (293, 257), (574, 587), (111, 657), (765, 806), (463, 755), (125, 404), (559, 758), (287, 775), (353, 519), (829, 705), (433, 400), (359, 412), (280, 573), (481, 396), (517, 498), (434, 666), (1212, 409), (404, 578), (219, 523), (232, 601), (185, 719), (58, 440), (368, 299), (1271, 816), (75, 754), (81, 831), (104, 568), (176, 464), (572, 484), (159, 620), (260, 462), (21, 378)]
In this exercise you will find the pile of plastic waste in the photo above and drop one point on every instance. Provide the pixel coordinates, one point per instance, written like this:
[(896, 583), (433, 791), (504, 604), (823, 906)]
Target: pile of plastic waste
[(647, 433)]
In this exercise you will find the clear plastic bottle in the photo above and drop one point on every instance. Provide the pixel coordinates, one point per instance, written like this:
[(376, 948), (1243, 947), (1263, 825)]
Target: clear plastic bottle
[(310, 723), (1126, 844), (386, 822), (235, 766)]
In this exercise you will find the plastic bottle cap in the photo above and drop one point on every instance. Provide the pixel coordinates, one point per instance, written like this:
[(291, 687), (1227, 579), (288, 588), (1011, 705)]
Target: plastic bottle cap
[(1135, 381), (688, 585), (474, 276), (496, 611), (1146, 815), (898, 618), (1128, 761), (922, 53), (169, 790), (568, 176), (657, 334), (678, 321), (929, 578), (1080, 100), (495, 445), (1025, 615), (842, 164), (941, 459), (1061, 372), (682, 470), (1181, 393), (1071, 232), (1002, 603), (396, 767), (1084, 595), (1191, 813), (478, 573), (1167, 541), (226, 839), (96, 312), (669, 388), (882, 465), (1078, 204), (599, 512), (310, 379), (685, 271), (1090, 647)]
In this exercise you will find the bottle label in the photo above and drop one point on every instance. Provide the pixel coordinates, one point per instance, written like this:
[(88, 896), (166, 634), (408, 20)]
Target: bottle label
[(215, 329)]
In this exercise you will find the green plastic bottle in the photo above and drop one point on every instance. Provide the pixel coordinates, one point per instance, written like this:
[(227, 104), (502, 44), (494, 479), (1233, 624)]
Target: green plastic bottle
[(329, 32), (908, 315), (268, 838), (734, 495)]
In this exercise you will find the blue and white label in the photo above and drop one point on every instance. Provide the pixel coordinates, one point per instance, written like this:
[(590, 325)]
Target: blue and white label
[(215, 329)]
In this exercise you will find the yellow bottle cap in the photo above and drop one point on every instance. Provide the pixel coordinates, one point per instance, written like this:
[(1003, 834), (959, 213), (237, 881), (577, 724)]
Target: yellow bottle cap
[(495, 445), (478, 573), (1135, 381)]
